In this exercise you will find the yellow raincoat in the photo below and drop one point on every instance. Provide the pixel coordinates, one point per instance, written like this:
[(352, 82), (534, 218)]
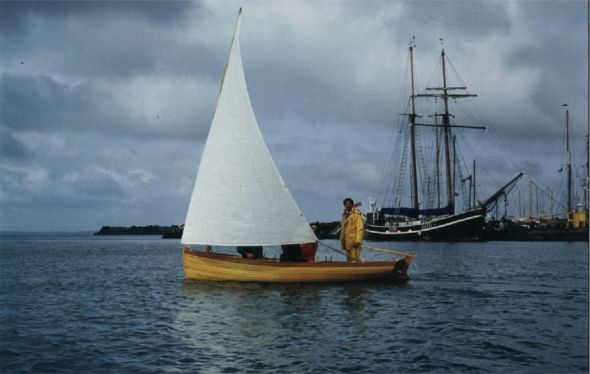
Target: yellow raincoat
[(352, 232)]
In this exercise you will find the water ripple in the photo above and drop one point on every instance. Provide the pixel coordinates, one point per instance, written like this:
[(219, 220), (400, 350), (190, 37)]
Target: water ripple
[(112, 305)]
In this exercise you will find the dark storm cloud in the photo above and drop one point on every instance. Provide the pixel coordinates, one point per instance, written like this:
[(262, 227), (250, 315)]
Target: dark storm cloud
[(15, 16)]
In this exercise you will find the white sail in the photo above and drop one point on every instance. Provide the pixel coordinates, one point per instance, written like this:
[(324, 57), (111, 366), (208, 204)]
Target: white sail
[(239, 197)]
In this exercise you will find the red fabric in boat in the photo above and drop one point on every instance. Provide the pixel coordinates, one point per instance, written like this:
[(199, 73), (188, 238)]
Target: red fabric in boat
[(308, 251)]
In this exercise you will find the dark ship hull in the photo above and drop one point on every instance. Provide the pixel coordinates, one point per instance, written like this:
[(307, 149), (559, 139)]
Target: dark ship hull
[(466, 226), (554, 230)]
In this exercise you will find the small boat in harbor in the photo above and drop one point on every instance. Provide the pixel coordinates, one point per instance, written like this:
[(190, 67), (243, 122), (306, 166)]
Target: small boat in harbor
[(240, 200)]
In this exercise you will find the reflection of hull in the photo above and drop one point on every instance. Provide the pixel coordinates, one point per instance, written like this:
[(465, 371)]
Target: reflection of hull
[(219, 267), (457, 227)]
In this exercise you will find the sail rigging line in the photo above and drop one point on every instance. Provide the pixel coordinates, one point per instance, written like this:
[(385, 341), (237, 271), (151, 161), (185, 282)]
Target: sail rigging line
[(468, 197), (483, 166), (432, 168), (546, 194), (400, 127), (482, 119), (461, 82), (401, 180), (466, 206), (402, 145), (389, 251), (381, 250), (421, 167), (390, 168), (339, 251)]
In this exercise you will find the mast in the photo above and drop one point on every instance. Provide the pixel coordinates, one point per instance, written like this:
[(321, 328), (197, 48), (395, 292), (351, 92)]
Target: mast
[(530, 199), (454, 162), (446, 125), (474, 198), (550, 204), (415, 202), (446, 130), (569, 159), (537, 211), (587, 184), (437, 165)]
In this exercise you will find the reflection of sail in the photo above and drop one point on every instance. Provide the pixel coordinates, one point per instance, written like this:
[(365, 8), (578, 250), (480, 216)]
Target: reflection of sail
[(255, 318)]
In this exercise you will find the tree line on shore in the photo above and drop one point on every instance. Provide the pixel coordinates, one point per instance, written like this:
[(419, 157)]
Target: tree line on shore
[(326, 230)]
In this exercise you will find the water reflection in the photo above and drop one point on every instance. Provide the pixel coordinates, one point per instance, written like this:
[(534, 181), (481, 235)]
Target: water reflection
[(254, 310)]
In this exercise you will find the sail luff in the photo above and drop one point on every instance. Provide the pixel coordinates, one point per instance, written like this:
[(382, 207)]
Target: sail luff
[(233, 38), (239, 197)]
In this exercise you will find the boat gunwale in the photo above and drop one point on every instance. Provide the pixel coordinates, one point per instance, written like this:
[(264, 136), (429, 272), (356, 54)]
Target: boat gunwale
[(275, 263)]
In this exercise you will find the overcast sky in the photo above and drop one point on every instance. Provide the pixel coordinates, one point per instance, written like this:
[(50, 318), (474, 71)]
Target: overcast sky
[(105, 106)]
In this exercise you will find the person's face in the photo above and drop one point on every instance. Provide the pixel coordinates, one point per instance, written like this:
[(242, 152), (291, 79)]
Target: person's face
[(314, 228), (348, 205)]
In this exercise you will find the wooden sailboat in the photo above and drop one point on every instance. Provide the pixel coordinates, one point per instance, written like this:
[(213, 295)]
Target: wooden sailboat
[(240, 199)]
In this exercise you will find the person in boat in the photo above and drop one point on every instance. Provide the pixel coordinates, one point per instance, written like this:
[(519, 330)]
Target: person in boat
[(300, 252), (250, 252), (351, 235), (291, 253), (308, 250)]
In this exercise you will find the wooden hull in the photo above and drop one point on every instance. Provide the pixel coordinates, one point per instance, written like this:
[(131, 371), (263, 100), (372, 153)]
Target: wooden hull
[(218, 267)]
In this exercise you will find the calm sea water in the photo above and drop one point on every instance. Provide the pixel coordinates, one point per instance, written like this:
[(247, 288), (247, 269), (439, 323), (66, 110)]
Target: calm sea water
[(78, 303)]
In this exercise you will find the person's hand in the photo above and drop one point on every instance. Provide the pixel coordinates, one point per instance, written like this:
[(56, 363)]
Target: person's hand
[(355, 245)]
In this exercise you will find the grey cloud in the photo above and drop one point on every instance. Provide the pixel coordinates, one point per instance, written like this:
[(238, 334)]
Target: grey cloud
[(44, 104), (11, 147), (15, 15), (40, 102), (97, 183), (464, 19), (101, 40)]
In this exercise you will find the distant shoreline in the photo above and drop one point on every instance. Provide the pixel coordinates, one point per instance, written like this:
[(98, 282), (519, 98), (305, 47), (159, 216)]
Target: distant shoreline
[(139, 230), (45, 232), (325, 230)]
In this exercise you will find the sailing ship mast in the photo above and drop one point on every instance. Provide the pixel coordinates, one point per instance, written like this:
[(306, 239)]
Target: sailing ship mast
[(569, 159), (446, 125), (446, 129), (587, 182), (413, 166)]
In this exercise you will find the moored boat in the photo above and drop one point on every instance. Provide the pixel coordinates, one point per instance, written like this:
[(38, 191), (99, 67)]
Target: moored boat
[(429, 217)]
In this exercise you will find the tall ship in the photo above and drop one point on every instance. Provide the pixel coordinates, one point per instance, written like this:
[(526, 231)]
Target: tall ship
[(431, 212)]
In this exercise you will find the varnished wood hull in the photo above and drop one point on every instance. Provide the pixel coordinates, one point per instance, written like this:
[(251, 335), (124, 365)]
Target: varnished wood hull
[(217, 267)]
